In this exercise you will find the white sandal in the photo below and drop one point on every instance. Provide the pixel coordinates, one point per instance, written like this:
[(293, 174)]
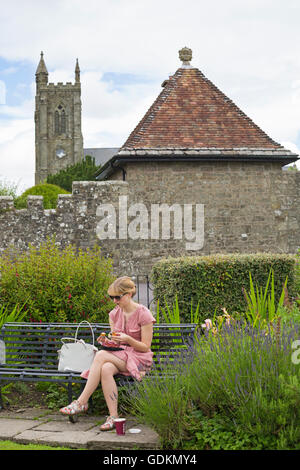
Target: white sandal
[(109, 423), (74, 408)]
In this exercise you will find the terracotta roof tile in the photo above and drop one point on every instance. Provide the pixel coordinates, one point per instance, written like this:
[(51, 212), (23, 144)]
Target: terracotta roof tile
[(191, 112)]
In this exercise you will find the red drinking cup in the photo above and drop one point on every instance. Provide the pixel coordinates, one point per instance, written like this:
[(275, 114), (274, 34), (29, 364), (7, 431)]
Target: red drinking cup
[(120, 425)]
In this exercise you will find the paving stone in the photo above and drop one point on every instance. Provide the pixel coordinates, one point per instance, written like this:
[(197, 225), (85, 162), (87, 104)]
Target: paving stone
[(11, 427), (25, 413), (66, 425), (146, 439), (73, 439), (83, 434)]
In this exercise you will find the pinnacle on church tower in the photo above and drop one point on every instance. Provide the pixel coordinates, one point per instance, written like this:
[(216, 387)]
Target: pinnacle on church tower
[(77, 72), (41, 71)]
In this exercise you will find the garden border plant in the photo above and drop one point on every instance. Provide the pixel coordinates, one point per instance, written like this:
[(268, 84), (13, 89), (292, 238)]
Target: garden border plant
[(239, 387), (55, 284), (216, 281), (240, 379)]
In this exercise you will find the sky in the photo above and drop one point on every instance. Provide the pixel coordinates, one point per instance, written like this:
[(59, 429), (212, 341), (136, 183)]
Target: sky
[(126, 48)]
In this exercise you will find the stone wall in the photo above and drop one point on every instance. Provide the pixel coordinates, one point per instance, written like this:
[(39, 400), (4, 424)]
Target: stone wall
[(247, 208)]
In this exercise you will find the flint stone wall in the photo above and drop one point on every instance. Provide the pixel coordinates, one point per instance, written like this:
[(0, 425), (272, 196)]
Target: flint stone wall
[(248, 208)]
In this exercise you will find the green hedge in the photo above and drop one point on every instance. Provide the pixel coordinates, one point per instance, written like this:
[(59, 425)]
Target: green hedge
[(217, 280)]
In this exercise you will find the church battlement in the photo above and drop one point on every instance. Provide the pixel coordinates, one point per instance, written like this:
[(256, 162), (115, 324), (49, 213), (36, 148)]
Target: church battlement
[(61, 85)]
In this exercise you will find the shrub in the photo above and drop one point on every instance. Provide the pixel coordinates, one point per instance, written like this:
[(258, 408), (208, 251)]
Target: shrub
[(217, 281), (57, 285), (49, 192), (82, 171)]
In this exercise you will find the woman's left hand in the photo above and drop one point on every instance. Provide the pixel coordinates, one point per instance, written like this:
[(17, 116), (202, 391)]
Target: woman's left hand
[(121, 338)]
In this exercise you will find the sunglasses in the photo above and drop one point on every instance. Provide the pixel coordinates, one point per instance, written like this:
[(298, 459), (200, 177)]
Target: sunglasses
[(117, 297)]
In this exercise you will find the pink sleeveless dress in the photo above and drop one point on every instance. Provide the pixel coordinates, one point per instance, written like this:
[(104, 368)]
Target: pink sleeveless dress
[(137, 362)]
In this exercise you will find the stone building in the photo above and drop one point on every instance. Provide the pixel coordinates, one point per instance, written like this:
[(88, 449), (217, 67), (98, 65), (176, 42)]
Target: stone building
[(195, 146), (58, 137), (195, 177)]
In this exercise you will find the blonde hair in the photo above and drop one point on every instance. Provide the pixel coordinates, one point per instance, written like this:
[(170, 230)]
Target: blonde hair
[(122, 285)]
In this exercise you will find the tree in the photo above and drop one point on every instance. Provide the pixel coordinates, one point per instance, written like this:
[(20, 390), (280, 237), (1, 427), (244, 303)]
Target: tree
[(82, 171)]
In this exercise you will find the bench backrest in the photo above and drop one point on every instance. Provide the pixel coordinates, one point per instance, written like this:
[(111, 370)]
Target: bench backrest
[(35, 345)]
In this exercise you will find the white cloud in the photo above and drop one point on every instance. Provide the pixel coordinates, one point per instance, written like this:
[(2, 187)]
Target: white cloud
[(2, 92), (17, 153), (248, 49), (293, 148)]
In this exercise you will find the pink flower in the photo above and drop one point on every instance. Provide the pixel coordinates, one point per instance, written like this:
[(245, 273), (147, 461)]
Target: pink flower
[(69, 296), (207, 324)]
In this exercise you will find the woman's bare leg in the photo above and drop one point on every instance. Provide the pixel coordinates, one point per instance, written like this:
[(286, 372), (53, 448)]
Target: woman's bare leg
[(94, 377), (109, 387)]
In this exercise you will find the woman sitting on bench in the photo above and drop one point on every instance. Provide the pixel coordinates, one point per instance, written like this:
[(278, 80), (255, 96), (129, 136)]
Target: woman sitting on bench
[(132, 325)]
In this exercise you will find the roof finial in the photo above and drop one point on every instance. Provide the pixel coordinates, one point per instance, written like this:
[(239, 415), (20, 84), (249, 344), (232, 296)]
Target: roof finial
[(185, 55)]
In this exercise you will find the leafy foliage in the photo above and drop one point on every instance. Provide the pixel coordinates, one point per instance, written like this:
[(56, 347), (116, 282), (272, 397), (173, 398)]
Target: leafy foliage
[(14, 314), (217, 281), (298, 277), (57, 284), (8, 189), (236, 390), (262, 308), (82, 171), (49, 192)]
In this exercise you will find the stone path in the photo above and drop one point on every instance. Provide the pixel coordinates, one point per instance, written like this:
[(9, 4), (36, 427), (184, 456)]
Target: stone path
[(42, 426)]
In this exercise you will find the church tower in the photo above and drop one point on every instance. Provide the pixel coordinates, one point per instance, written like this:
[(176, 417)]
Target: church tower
[(58, 137)]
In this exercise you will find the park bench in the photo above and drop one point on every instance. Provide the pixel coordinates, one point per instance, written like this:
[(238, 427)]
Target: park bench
[(31, 351)]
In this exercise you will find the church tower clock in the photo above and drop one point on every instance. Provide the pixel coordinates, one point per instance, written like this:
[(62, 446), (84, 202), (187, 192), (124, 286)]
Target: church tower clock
[(58, 137)]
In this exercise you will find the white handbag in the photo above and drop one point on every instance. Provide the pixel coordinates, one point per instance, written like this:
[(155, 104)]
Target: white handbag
[(78, 355)]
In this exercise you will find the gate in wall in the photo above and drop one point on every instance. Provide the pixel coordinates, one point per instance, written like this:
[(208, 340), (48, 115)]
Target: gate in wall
[(144, 290)]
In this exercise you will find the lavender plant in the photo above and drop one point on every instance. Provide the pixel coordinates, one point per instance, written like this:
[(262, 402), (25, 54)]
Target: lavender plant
[(242, 374), (245, 374)]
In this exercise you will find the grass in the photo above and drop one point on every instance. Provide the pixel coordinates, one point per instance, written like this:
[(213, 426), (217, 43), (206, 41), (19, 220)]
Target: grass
[(10, 445)]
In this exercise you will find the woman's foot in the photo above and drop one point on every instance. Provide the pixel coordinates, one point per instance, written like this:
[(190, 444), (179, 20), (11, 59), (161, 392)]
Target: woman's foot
[(109, 423), (74, 408)]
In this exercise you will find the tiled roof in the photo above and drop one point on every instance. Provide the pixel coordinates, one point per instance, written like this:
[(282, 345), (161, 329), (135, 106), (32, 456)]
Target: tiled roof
[(192, 113)]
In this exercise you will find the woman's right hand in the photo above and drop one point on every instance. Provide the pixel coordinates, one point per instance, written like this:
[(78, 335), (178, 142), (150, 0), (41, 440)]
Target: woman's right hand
[(109, 341), (101, 338)]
